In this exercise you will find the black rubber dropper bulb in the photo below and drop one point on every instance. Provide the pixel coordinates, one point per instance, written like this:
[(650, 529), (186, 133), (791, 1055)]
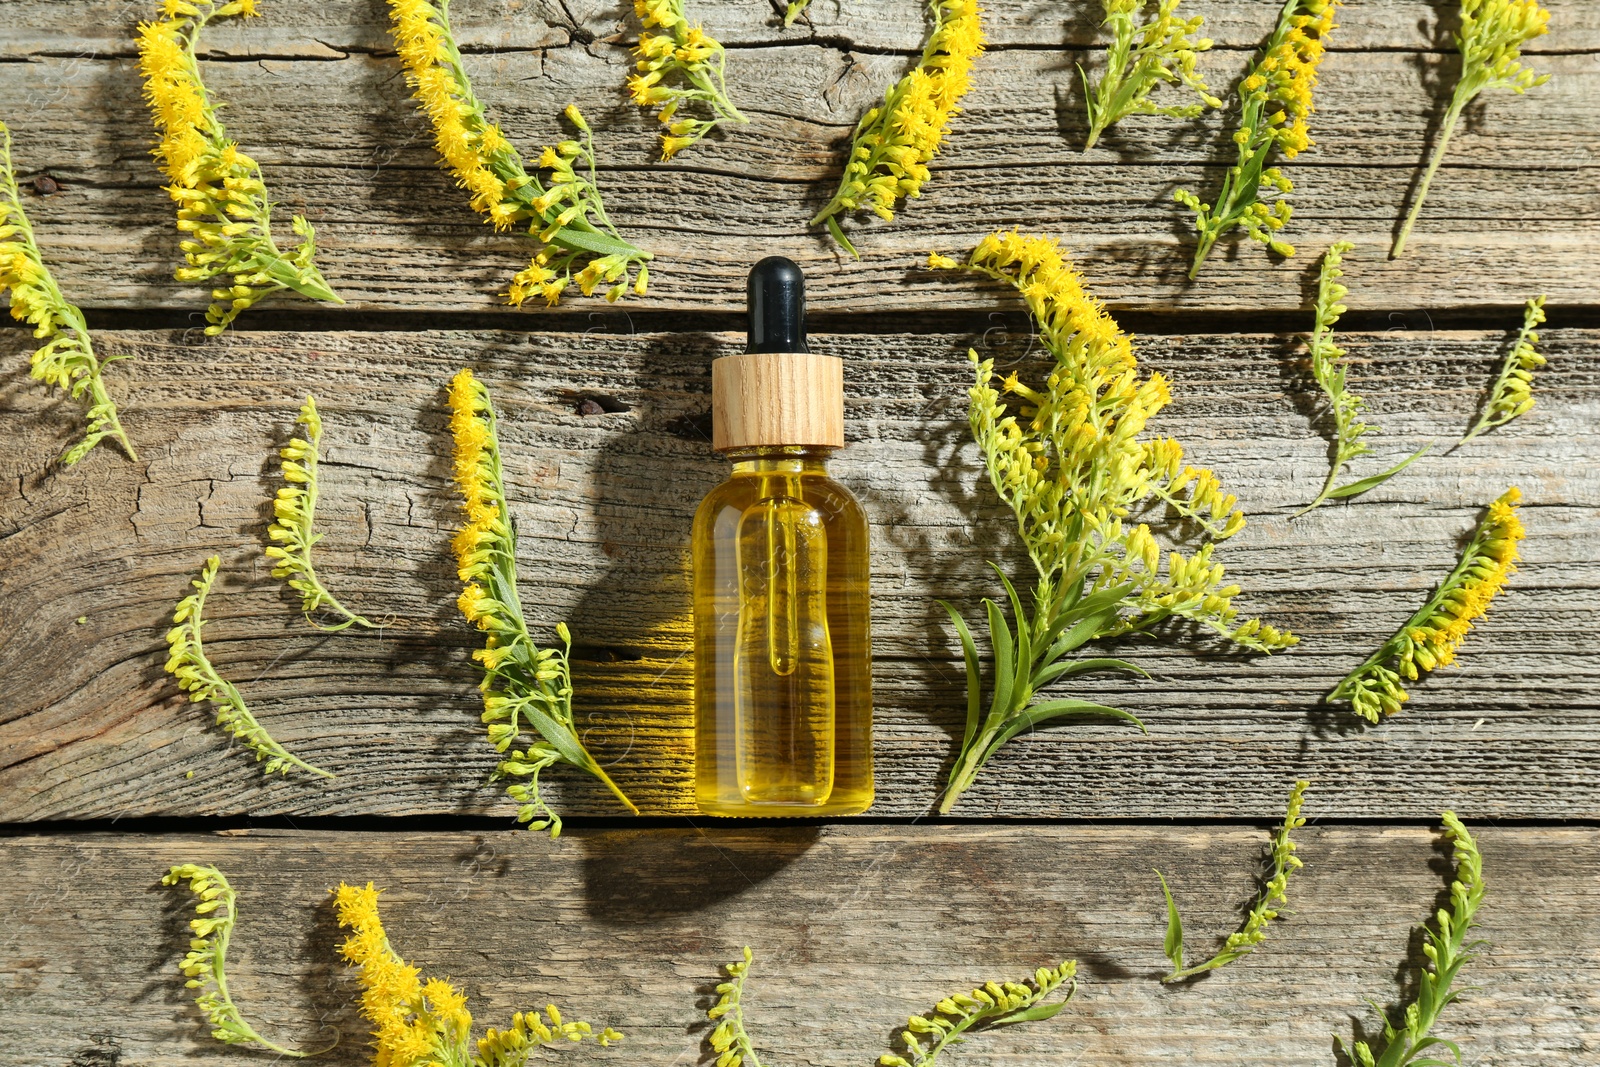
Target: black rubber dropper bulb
[(776, 298)]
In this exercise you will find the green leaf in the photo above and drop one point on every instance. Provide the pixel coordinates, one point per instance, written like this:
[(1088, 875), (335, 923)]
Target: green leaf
[(1172, 945), (1031, 1015), (560, 737), (1023, 662), (1093, 603), (969, 652), (1046, 710), (1072, 668), (1004, 661), (838, 235), (1356, 488)]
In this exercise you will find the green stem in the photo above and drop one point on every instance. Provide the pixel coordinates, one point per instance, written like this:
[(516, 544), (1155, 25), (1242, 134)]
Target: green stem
[(220, 976), (1456, 106), (97, 385), (1208, 238)]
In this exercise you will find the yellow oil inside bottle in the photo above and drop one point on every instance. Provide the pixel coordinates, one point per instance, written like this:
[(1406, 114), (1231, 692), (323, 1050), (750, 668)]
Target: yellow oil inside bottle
[(783, 665)]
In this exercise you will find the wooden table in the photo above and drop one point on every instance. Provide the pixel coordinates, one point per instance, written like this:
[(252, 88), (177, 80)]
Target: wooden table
[(107, 774)]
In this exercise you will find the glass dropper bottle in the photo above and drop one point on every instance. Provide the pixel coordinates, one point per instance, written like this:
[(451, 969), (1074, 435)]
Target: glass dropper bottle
[(783, 661)]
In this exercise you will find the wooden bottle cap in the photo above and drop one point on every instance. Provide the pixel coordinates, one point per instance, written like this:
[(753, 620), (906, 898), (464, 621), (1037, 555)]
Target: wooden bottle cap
[(777, 399), (777, 394)]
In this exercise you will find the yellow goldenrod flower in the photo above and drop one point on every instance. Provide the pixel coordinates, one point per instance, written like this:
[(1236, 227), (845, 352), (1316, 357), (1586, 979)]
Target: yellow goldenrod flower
[(1344, 407), (568, 217), (1429, 639), (187, 662), (1142, 57), (1071, 464), (523, 685), (1274, 108), (682, 65), (211, 179), (895, 141), (67, 359), (1490, 40), (1512, 394), (425, 1023), (292, 530), (203, 965)]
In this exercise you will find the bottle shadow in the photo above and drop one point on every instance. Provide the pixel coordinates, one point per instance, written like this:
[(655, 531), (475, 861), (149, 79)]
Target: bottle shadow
[(632, 666), (635, 879)]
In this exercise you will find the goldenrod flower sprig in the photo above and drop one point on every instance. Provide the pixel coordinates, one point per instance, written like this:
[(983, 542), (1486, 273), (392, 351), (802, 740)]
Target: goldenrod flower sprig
[(1490, 40), (565, 212), (67, 359), (1512, 394), (222, 201), (1429, 639), (1274, 892), (293, 532), (1143, 56), (1448, 950), (988, 1007), (205, 963), (1071, 464), (524, 686), (188, 663), (991, 1005), (1274, 104), (894, 142), (421, 1023), (1344, 407), (683, 65)]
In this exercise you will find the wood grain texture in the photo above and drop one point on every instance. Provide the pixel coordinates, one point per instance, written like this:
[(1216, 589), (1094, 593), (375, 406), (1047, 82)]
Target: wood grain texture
[(1512, 211), (854, 928), (329, 29), (91, 727)]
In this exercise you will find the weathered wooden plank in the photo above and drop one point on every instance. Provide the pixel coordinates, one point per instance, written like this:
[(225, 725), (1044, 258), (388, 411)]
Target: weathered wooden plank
[(78, 27), (854, 928), (90, 727), (1513, 211)]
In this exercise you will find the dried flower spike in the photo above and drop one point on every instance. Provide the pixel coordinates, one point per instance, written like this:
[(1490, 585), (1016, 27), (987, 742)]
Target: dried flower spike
[(681, 66), (894, 142), (1490, 40), (1430, 638), (294, 532), (1254, 931), (1142, 57), (992, 1005), (1070, 463), (204, 965), (1512, 394), (523, 684), (565, 213), (187, 662), (67, 359), (421, 1023), (1274, 103), (222, 200), (1448, 950), (1344, 407)]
